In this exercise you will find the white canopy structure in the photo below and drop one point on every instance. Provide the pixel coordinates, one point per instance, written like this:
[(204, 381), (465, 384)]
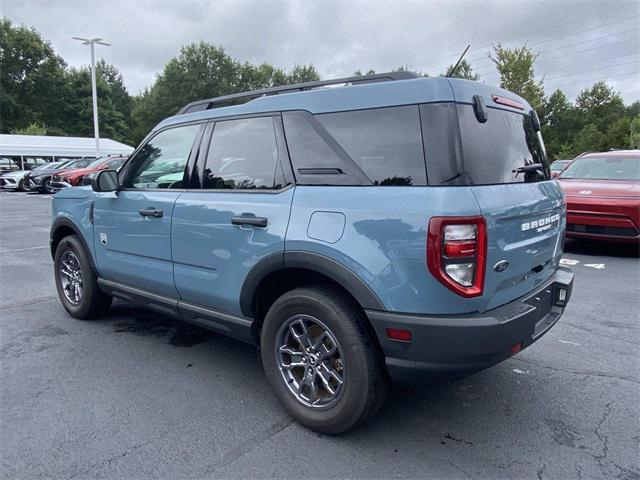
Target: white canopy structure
[(58, 147)]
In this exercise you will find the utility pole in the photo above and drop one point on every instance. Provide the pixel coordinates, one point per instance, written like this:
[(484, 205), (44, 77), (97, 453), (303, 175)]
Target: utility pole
[(94, 91)]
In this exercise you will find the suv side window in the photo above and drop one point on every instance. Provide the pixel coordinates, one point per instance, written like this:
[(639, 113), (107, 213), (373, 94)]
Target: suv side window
[(243, 155), (161, 162), (386, 143)]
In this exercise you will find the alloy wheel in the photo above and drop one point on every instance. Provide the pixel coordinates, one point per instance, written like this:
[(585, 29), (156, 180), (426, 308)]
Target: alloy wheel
[(310, 361), (70, 274)]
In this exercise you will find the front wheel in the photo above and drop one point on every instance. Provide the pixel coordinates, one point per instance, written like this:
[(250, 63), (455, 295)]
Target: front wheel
[(21, 186), (76, 281), (46, 186), (320, 360)]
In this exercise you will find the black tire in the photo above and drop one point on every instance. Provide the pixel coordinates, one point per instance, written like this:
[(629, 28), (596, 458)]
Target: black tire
[(92, 301), (21, 186), (46, 186), (364, 382)]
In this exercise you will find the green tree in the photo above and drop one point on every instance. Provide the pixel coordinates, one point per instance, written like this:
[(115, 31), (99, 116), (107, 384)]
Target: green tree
[(634, 133), (515, 66), (31, 78), (78, 111), (464, 71), (591, 139), (599, 105), (559, 124), (117, 91), (200, 71), (31, 129)]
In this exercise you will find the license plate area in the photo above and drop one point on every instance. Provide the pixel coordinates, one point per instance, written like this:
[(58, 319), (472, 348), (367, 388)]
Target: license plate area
[(543, 316)]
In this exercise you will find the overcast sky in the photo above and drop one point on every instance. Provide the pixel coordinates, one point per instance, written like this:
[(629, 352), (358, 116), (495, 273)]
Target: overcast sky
[(579, 41)]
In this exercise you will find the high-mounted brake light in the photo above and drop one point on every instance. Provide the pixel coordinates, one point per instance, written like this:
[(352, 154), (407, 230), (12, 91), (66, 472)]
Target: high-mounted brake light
[(507, 102), (456, 253)]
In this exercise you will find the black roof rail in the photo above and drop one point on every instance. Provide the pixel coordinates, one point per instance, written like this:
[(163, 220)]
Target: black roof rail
[(209, 103)]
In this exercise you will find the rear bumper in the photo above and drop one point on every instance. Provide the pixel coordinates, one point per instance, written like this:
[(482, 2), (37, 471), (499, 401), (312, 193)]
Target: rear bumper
[(453, 346)]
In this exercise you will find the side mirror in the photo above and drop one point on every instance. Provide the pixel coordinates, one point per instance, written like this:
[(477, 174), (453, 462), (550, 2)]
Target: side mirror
[(105, 181)]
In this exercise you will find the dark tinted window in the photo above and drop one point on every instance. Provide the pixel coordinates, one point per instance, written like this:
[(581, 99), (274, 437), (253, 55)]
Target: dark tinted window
[(243, 154), (160, 163), (386, 143), (493, 150), (316, 156), (442, 149)]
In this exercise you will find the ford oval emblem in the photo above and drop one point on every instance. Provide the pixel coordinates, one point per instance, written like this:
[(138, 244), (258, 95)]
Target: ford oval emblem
[(501, 266)]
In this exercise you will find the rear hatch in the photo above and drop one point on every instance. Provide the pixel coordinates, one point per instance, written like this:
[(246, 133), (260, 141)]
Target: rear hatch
[(524, 210)]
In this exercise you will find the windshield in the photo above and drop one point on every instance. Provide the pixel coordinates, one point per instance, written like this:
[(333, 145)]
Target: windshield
[(97, 162), (42, 167), (81, 163), (48, 166), (604, 168), (559, 165)]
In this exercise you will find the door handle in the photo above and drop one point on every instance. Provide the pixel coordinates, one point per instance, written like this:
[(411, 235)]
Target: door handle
[(150, 212), (247, 220)]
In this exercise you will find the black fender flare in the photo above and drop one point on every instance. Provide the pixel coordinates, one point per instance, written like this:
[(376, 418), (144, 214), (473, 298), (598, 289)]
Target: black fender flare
[(314, 262), (65, 222)]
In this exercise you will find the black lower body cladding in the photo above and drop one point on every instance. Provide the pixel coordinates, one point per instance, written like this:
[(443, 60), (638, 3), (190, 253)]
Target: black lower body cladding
[(450, 347)]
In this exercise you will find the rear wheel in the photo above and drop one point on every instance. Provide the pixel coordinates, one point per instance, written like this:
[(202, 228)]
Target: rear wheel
[(76, 281), (320, 360)]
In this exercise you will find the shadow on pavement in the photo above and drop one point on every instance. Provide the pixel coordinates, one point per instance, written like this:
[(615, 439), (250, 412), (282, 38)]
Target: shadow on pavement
[(404, 405), (590, 247)]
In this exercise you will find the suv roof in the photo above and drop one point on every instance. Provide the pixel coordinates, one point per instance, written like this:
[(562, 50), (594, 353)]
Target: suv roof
[(355, 97)]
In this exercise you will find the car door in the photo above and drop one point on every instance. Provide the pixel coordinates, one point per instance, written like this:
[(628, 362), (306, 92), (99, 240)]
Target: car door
[(238, 215), (132, 226)]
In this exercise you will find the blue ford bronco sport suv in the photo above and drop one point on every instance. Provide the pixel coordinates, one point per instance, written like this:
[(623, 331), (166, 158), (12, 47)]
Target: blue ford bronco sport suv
[(387, 227)]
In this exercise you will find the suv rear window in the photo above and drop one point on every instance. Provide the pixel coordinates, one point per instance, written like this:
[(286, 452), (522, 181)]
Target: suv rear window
[(493, 150)]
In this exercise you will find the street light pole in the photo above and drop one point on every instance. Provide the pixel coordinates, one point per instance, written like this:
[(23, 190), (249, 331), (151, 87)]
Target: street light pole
[(94, 94), (94, 91)]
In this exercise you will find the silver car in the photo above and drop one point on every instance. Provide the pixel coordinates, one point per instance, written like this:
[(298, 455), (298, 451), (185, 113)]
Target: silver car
[(13, 180)]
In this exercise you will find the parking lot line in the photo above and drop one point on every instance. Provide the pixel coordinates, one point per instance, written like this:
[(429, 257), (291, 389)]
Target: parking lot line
[(24, 249)]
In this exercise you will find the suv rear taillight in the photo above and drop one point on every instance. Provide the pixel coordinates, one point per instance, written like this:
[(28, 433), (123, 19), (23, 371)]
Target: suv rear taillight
[(457, 253)]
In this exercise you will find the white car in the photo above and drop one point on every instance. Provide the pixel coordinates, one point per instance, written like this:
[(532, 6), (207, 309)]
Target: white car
[(13, 180)]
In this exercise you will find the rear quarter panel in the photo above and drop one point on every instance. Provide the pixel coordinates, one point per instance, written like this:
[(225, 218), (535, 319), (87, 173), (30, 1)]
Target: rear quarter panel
[(383, 239)]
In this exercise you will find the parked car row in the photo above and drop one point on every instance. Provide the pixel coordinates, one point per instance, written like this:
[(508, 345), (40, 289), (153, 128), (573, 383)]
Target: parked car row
[(54, 176)]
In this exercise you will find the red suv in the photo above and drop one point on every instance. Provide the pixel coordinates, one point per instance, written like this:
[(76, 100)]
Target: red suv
[(72, 178), (602, 191)]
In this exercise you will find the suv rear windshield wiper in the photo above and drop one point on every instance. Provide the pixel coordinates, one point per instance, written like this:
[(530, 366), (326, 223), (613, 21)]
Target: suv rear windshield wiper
[(529, 168)]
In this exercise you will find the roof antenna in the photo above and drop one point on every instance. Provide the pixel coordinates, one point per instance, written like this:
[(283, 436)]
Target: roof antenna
[(455, 67)]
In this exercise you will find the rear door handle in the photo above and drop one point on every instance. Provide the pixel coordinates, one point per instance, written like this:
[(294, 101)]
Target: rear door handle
[(247, 220), (150, 212)]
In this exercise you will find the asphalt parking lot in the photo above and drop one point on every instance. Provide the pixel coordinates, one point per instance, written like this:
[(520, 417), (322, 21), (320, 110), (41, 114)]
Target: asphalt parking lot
[(137, 395)]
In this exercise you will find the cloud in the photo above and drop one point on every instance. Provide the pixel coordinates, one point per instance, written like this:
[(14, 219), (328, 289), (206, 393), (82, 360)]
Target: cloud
[(579, 42)]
